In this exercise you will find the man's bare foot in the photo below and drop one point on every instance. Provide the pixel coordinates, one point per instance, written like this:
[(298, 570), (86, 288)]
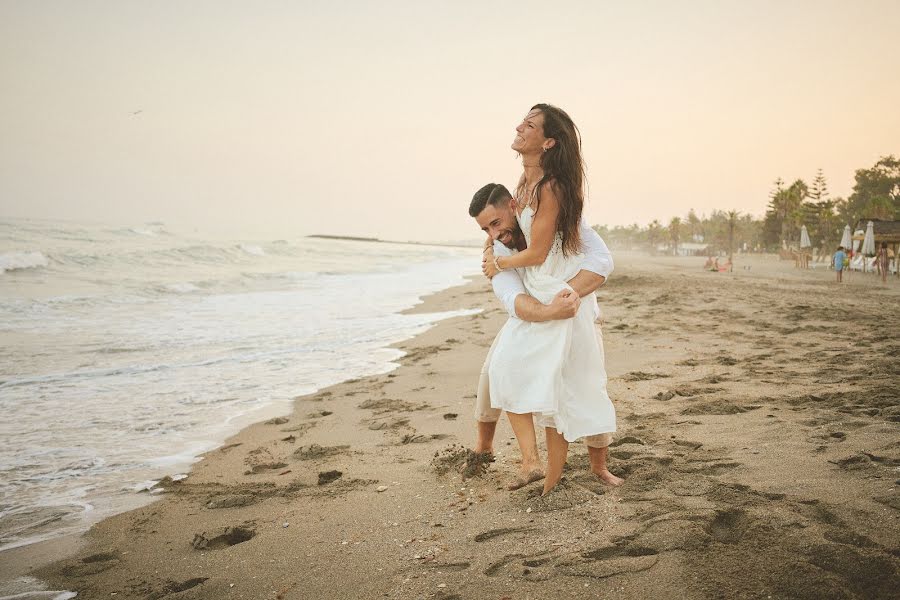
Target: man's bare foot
[(525, 478), (608, 478), (484, 436)]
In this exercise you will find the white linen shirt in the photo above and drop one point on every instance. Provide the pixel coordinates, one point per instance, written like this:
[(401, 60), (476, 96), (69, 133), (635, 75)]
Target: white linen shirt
[(508, 284)]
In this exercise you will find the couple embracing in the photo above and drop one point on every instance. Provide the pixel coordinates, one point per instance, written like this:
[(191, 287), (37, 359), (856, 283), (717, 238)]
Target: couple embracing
[(546, 365)]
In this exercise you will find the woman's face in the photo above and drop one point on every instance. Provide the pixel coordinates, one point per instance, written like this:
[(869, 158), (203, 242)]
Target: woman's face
[(530, 134)]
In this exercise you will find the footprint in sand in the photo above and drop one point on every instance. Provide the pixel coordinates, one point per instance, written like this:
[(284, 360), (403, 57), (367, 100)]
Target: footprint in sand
[(388, 405), (176, 587), (865, 460), (387, 423), (728, 526), (420, 438), (610, 560), (326, 477), (228, 536), (265, 467), (628, 439), (318, 414), (91, 565), (317, 452)]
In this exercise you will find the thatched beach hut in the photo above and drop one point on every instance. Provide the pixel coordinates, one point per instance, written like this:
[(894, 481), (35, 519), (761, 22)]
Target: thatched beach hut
[(885, 231)]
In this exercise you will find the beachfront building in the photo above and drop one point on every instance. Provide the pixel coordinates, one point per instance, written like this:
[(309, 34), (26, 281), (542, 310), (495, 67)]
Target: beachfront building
[(885, 231)]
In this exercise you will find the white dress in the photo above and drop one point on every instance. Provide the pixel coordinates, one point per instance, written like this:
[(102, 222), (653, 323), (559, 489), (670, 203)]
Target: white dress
[(553, 369)]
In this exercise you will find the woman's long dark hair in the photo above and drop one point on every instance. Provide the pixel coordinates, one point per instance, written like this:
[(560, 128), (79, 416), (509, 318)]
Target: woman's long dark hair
[(564, 168)]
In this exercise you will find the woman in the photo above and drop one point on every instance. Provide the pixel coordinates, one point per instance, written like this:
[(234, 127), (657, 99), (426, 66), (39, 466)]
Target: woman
[(883, 261), (556, 372)]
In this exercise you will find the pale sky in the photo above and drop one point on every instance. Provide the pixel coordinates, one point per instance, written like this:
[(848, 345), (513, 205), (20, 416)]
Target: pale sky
[(383, 118)]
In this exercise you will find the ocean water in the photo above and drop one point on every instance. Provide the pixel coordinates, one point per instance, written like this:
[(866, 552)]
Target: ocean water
[(127, 352)]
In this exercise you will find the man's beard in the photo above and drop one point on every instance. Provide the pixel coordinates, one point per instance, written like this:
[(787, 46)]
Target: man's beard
[(516, 236)]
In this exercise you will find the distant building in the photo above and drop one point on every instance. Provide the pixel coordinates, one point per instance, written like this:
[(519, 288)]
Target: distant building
[(686, 249), (885, 231)]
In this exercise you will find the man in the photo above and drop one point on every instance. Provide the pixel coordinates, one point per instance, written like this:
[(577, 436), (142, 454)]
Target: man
[(494, 208)]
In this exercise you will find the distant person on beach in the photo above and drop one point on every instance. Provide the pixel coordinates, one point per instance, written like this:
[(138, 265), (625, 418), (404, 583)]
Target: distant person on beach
[(882, 260), (552, 371), (494, 208), (839, 257)]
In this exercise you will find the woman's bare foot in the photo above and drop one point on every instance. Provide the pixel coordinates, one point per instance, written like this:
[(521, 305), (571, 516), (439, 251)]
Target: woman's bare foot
[(557, 450), (608, 478), (525, 477), (550, 485)]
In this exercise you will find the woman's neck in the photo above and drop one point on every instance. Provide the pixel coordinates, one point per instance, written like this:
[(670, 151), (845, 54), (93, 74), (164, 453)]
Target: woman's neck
[(533, 171)]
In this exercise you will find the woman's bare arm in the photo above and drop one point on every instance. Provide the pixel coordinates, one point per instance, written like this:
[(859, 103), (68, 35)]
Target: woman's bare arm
[(543, 233)]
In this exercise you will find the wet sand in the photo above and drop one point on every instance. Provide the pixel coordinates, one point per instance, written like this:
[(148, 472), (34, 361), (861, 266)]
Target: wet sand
[(759, 435)]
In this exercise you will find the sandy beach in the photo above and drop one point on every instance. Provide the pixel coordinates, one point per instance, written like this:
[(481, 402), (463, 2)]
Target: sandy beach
[(759, 435)]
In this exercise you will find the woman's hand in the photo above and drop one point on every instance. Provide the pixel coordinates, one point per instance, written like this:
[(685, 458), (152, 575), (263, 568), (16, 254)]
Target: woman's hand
[(487, 262)]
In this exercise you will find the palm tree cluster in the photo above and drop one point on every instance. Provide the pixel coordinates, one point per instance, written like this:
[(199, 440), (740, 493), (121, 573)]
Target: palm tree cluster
[(876, 195), (722, 231)]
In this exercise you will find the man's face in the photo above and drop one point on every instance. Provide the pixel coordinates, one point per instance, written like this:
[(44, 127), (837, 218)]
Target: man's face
[(500, 223)]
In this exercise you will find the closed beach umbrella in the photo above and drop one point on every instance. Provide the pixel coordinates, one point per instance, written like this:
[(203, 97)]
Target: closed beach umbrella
[(804, 238), (868, 246), (845, 239)]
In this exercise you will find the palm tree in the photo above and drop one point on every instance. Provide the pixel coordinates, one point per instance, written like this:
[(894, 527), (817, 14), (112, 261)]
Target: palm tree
[(654, 234), (733, 217), (787, 204), (675, 233), (694, 223)]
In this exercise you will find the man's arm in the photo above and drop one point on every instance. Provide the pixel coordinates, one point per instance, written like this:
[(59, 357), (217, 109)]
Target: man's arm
[(510, 290), (597, 264), (563, 306)]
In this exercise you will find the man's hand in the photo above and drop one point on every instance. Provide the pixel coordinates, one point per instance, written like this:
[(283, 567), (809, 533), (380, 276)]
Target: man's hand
[(487, 261), (564, 305)]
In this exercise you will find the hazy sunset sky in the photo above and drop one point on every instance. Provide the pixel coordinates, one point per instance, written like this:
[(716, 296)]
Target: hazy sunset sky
[(382, 118)]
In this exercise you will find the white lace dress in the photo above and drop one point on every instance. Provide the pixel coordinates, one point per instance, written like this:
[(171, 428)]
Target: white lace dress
[(553, 369)]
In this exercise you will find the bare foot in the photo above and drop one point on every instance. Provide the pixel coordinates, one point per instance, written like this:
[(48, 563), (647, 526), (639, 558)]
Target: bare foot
[(549, 487), (525, 478), (608, 478)]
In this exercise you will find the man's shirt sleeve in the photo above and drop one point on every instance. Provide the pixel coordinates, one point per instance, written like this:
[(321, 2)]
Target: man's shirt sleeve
[(597, 257), (507, 284)]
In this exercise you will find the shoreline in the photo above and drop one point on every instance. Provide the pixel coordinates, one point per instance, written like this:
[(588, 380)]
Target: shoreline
[(21, 560), (751, 469)]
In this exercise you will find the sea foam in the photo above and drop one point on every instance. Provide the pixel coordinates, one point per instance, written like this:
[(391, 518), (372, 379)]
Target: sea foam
[(12, 261)]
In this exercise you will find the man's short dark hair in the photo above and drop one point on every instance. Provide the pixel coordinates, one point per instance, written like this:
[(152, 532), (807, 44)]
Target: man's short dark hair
[(494, 194)]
